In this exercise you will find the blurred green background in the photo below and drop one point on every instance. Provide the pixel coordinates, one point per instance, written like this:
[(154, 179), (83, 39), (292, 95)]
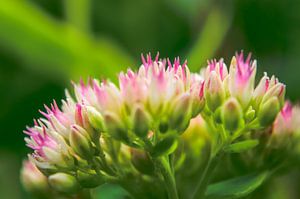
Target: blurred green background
[(46, 43)]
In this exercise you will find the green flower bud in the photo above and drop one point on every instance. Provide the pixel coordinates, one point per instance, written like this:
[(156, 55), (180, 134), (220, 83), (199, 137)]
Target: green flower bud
[(89, 179), (95, 118), (217, 115), (197, 105), (250, 114), (214, 91), (80, 141), (115, 127), (141, 161), (64, 183), (180, 113), (231, 114), (141, 122), (268, 111)]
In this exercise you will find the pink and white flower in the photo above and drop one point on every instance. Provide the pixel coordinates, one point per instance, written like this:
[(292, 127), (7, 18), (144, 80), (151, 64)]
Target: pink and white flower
[(50, 148), (32, 179), (287, 121), (242, 78), (266, 89)]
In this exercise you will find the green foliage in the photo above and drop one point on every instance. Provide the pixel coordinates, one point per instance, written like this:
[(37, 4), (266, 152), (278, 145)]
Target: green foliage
[(242, 146), (59, 47), (236, 187), (210, 38), (165, 147), (111, 191)]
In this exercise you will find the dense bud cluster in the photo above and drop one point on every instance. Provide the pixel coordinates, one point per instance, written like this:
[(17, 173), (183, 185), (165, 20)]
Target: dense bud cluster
[(108, 132)]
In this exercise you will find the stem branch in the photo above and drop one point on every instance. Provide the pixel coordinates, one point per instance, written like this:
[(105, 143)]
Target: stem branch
[(205, 177)]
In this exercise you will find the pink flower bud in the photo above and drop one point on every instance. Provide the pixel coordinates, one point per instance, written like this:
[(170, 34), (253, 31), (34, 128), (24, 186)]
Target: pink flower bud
[(241, 78), (33, 180), (214, 91), (49, 147), (267, 89), (287, 121), (197, 94)]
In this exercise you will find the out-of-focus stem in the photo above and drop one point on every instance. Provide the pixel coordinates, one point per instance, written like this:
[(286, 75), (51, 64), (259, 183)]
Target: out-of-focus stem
[(206, 176), (169, 179), (78, 13), (210, 38)]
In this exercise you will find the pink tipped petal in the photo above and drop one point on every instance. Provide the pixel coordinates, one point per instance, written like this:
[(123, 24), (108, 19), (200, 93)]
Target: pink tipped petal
[(244, 69)]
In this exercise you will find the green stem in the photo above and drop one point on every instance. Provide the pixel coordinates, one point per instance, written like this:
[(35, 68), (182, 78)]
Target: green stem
[(169, 180), (205, 177)]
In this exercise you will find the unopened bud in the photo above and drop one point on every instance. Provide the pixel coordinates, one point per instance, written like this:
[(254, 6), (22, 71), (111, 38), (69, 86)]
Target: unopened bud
[(260, 90), (198, 104), (33, 180), (55, 157), (214, 91), (217, 115), (278, 91), (95, 118), (180, 113), (141, 122), (197, 107), (89, 179), (115, 127), (79, 141), (232, 114), (141, 161), (250, 114), (64, 183), (268, 111), (81, 116)]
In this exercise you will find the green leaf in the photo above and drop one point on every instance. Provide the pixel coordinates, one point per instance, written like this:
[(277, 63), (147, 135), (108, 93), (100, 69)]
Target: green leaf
[(165, 147), (48, 45), (241, 146), (210, 38), (111, 191), (236, 187)]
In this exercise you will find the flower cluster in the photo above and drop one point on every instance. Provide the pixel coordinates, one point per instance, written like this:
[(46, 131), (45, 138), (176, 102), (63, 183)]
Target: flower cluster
[(107, 132), (236, 93)]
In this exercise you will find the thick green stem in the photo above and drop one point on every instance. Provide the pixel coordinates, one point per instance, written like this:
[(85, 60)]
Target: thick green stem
[(205, 177), (78, 13), (169, 179)]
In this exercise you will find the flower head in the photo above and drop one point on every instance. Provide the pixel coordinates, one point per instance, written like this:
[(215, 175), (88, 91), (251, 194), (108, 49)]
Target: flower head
[(83, 141)]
